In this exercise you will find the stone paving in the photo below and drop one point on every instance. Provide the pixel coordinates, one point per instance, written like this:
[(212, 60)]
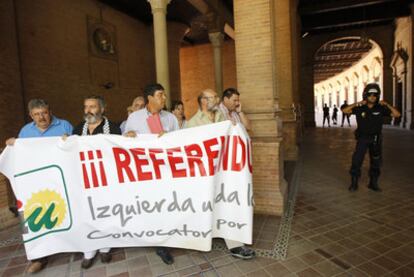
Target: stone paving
[(334, 232)]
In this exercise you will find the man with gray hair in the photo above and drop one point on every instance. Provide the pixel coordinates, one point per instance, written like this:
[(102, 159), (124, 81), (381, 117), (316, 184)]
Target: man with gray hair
[(44, 125), (138, 103), (94, 120), (95, 123), (208, 112)]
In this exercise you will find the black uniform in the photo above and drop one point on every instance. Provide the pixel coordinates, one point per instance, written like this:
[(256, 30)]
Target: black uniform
[(335, 115), (326, 115), (368, 136)]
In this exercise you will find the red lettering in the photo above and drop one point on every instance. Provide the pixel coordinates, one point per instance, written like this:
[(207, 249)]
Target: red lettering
[(156, 162), (176, 173), (195, 159), (122, 164), (211, 154), (249, 155), (238, 166), (103, 174), (139, 163), (94, 176), (85, 177), (226, 153)]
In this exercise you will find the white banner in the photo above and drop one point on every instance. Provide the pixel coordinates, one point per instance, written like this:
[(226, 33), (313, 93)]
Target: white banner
[(179, 190)]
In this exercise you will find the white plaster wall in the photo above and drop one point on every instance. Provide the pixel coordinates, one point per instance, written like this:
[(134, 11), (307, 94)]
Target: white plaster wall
[(403, 38), (353, 76)]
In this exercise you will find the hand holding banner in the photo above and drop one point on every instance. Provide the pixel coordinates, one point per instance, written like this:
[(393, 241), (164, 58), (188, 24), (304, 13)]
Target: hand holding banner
[(180, 190)]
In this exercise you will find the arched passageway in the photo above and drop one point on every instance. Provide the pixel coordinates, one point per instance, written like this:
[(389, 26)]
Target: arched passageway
[(342, 68)]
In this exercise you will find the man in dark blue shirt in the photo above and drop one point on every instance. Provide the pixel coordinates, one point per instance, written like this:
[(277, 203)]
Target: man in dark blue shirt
[(370, 113)]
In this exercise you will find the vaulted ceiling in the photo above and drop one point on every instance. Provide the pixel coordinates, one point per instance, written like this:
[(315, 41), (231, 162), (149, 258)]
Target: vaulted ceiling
[(328, 16), (335, 57), (183, 11), (317, 16)]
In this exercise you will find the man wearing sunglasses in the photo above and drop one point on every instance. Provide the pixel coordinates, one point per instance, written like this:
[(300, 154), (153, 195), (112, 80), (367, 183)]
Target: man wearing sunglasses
[(370, 113)]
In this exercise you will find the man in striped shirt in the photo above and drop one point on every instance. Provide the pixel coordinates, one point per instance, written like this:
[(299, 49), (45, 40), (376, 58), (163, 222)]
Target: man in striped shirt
[(230, 107)]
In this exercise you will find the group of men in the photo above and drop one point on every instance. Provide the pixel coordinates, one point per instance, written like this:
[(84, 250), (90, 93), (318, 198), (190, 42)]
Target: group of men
[(369, 112), (45, 124), (335, 115)]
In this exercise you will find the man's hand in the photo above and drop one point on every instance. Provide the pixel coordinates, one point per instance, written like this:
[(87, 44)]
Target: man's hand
[(65, 137), (361, 103), (10, 141), (239, 108), (394, 112), (130, 134), (161, 134)]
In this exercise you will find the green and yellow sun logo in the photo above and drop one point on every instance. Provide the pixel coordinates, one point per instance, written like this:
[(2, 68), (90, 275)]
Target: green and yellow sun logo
[(45, 209)]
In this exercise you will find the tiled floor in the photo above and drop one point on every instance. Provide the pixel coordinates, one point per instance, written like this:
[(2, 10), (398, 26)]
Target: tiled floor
[(334, 232), (366, 233)]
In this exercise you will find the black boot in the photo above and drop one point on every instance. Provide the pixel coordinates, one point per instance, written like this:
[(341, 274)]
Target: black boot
[(373, 183), (165, 255), (354, 184)]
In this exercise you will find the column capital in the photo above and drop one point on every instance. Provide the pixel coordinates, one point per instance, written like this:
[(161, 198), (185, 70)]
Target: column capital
[(216, 38), (215, 22), (159, 5)]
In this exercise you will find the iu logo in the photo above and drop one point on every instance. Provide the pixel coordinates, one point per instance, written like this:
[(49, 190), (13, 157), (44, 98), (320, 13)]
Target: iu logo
[(94, 160)]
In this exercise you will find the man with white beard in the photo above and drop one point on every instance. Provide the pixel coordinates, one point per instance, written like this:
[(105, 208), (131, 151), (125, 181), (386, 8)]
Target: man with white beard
[(208, 112), (94, 120), (95, 123)]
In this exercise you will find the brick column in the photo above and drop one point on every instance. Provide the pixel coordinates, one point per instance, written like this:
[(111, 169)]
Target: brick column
[(216, 40), (410, 79), (159, 12), (176, 32), (255, 63), (285, 38)]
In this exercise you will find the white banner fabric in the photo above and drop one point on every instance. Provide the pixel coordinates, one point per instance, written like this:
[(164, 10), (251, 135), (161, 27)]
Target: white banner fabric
[(178, 190)]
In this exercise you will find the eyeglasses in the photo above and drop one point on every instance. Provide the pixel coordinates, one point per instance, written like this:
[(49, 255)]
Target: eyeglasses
[(372, 94)]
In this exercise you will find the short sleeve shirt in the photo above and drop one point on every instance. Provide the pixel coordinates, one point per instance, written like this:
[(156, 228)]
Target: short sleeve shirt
[(58, 127), (201, 118), (137, 122), (370, 120)]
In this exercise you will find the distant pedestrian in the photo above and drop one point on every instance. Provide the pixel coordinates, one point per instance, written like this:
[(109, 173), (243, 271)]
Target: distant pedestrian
[(326, 116), (344, 115), (335, 115)]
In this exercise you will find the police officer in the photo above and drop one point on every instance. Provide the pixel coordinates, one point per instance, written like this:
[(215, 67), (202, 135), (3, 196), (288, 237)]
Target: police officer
[(369, 116)]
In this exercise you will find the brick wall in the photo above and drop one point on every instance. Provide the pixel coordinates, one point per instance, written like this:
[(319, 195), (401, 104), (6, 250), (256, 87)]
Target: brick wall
[(257, 82), (11, 100), (197, 72), (57, 65), (404, 38), (285, 39), (54, 63)]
